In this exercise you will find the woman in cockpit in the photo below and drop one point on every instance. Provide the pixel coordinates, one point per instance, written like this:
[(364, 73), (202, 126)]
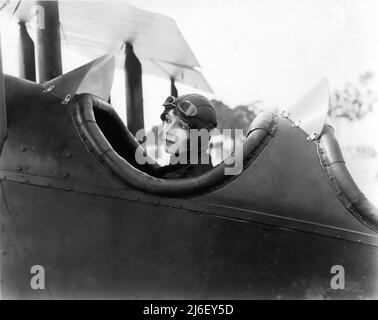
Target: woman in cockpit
[(187, 123)]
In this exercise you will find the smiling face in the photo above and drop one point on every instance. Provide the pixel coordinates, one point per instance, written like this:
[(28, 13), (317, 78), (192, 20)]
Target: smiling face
[(175, 133)]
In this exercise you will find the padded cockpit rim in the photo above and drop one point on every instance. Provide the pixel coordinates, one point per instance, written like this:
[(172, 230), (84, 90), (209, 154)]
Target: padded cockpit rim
[(123, 171), (339, 178), (341, 181)]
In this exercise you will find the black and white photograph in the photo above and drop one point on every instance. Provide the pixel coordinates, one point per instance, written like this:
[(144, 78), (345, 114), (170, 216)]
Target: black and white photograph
[(202, 152)]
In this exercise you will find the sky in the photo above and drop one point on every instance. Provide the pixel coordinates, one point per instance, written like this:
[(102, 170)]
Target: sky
[(271, 50), (275, 49)]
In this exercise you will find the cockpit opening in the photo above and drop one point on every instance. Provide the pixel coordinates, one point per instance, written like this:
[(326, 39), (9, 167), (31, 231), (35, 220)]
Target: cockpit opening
[(109, 140)]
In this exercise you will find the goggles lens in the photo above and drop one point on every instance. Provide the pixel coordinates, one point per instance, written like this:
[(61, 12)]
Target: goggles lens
[(170, 101), (185, 107)]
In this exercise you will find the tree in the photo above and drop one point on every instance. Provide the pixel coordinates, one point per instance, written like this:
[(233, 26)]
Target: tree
[(237, 118), (355, 100)]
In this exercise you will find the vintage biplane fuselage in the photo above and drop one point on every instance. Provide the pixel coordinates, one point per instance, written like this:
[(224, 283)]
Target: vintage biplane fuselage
[(74, 201)]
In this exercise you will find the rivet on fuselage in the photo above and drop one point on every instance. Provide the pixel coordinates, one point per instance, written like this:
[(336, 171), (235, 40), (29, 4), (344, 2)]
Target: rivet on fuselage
[(296, 124), (47, 90), (312, 137), (66, 154), (285, 114), (66, 99)]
